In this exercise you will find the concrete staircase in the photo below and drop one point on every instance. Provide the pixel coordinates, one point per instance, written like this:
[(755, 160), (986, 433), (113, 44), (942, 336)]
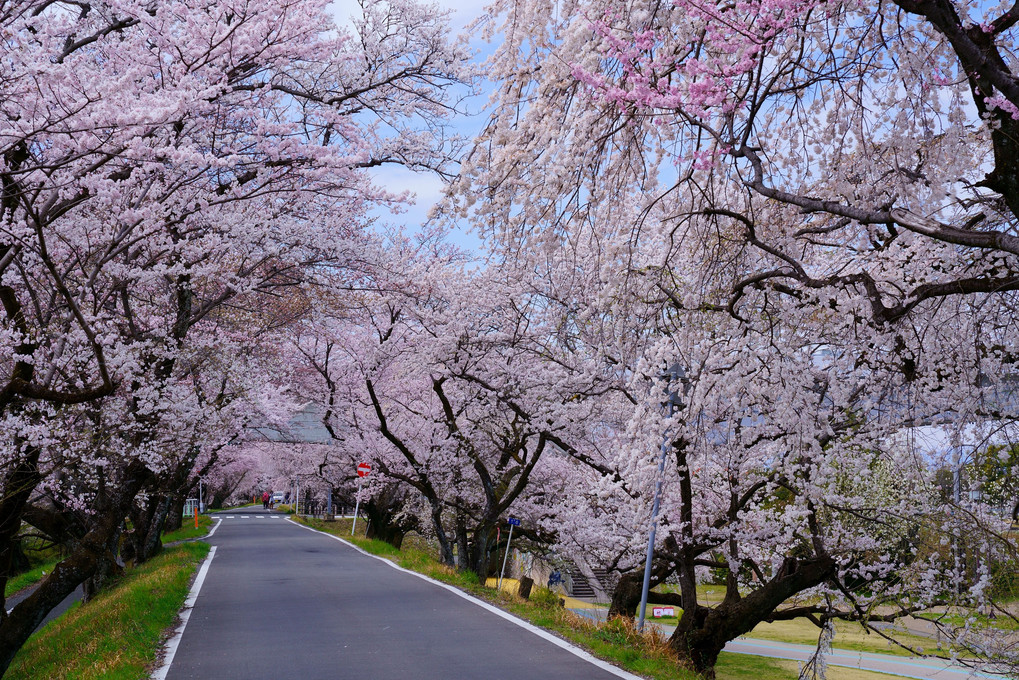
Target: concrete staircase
[(583, 588)]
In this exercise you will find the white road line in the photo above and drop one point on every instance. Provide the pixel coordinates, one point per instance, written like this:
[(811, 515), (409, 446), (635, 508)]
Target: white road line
[(228, 516), (244, 517), (216, 526), (576, 651), (185, 614)]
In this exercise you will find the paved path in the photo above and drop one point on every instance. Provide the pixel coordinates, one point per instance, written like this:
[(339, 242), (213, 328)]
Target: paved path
[(282, 601), (64, 605), (909, 667)]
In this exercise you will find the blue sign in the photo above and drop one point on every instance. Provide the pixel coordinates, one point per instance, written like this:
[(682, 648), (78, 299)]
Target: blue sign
[(514, 521)]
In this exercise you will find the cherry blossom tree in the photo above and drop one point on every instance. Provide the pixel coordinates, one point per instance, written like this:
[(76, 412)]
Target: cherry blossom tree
[(795, 202), (164, 165)]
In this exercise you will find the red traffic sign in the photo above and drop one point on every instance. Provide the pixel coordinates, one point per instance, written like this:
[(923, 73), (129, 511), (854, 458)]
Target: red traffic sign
[(363, 469)]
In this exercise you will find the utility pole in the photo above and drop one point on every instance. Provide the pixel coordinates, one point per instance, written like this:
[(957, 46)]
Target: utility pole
[(672, 404)]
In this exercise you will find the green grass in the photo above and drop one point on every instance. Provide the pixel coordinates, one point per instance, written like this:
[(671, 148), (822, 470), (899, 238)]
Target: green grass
[(746, 667), (116, 635), (977, 620), (848, 635), (28, 578), (34, 575), (188, 529)]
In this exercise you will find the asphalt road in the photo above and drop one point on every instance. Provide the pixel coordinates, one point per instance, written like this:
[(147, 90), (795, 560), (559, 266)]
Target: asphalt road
[(281, 601)]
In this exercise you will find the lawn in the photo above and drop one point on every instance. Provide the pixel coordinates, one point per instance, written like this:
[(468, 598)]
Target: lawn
[(848, 635), (34, 575), (115, 636), (188, 530), (28, 578)]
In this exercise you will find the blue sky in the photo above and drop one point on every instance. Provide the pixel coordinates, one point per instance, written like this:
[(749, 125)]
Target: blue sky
[(426, 187)]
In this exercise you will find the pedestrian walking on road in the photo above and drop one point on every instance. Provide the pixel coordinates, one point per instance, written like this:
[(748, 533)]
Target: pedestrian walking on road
[(265, 500)]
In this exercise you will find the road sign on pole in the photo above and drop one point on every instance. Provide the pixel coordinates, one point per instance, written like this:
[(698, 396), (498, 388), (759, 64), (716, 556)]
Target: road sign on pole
[(362, 471)]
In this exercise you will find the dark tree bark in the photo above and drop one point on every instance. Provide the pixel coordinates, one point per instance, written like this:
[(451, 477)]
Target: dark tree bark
[(88, 556), (626, 595), (143, 542), (60, 525), (702, 632), (175, 516), (481, 549), (387, 520), (107, 568), (18, 485)]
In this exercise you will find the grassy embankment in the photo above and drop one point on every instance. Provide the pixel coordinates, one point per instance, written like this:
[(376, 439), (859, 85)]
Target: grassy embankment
[(50, 558), (42, 557), (188, 530), (616, 642), (116, 635)]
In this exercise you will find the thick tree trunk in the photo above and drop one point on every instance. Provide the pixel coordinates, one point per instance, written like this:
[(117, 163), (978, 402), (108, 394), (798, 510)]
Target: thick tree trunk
[(16, 627), (152, 544), (480, 550), (107, 567), (382, 527), (18, 485), (386, 519), (175, 517), (626, 596), (144, 541), (19, 562), (445, 549), (703, 632), (58, 524), (463, 542)]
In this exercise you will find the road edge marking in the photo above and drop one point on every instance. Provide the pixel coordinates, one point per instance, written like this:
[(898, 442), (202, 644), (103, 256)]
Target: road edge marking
[(219, 520), (526, 625), (170, 648)]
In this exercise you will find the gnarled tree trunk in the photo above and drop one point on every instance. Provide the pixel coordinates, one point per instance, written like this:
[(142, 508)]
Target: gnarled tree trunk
[(87, 557), (702, 632)]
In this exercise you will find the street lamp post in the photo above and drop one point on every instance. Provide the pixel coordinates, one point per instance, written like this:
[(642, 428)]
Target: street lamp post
[(673, 403)]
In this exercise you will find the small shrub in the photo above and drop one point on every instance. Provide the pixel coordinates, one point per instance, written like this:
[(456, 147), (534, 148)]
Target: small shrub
[(543, 597)]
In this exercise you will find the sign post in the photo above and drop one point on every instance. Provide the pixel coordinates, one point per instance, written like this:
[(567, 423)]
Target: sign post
[(362, 471), (513, 522), (675, 372)]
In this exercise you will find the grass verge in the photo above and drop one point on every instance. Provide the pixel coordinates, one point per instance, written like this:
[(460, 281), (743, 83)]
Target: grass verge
[(116, 635), (34, 575), (188, 529), (28, 578), (617, 641)]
